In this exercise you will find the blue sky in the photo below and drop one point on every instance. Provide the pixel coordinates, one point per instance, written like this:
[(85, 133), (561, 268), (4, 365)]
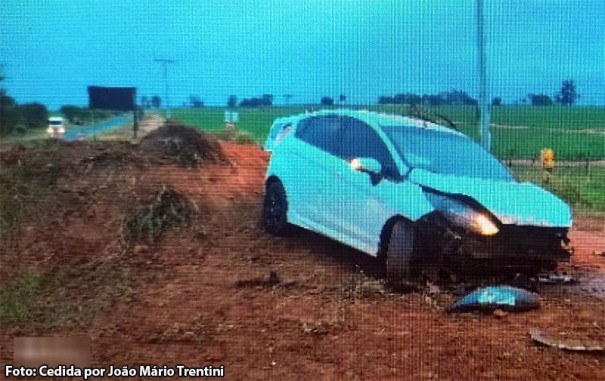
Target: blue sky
[(51, 50)]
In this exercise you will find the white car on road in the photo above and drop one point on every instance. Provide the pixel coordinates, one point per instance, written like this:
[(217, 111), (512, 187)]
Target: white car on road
[(56, 126), (409, 192)]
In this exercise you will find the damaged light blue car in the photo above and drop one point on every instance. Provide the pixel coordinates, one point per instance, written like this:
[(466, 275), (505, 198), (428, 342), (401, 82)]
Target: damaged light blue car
[(409, 192)]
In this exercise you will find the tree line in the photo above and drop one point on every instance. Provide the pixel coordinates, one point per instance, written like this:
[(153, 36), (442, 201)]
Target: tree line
[(453, 97), (16, 117), (566, 96), (267, 100), (83, 115), (264, 100), (19, 118)]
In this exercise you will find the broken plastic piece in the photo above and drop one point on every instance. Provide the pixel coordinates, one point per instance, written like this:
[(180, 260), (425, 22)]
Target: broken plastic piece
[(505, 298), (566, 344), (556, 278)]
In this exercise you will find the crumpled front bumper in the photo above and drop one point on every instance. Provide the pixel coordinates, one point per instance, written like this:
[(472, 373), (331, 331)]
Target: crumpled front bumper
[(513, 247)]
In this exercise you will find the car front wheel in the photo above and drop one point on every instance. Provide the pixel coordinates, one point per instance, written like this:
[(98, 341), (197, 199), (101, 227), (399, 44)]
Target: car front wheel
[(275, 208), (400, 253)]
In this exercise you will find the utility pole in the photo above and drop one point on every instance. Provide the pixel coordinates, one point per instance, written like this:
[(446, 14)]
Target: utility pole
[(486, 135), (165, 63)]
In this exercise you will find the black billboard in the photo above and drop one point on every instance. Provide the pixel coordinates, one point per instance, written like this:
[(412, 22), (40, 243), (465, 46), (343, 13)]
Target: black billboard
[(112, 98)]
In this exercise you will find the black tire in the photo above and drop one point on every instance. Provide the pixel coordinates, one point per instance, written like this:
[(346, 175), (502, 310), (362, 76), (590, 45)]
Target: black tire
[(275, 209), (400, 253)]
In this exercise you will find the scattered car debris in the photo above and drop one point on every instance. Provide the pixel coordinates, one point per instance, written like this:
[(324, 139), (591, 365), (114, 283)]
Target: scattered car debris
[(498, 313), (524, 282), (566, 344), (556, 278), (489, 299), (270, 281), (273, 279), (314, 328), (463, 290)]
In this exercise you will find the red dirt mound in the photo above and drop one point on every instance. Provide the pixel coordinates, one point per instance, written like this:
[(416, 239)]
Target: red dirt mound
[(183, 144)]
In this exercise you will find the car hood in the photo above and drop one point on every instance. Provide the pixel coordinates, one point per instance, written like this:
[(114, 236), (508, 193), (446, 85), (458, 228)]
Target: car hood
[(511, 202)]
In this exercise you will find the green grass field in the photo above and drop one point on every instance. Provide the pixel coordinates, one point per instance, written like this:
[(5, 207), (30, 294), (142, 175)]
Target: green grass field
[(582, 190), (255, 122), (521, 131), (518, 132)]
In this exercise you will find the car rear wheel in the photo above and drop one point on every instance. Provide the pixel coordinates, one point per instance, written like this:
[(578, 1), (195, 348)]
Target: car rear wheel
[(275, 208), (400, 253)]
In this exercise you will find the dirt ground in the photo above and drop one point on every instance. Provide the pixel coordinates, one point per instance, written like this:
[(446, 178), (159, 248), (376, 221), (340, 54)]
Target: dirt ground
[(201, 293)]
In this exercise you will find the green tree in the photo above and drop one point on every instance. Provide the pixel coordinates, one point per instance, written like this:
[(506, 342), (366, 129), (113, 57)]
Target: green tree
[(195, 101), (156, 101), (386, 100), (72, 113), (540, 100), (9, 113), (327, 101), (412, 99), (267, 100), (567, 95), (232, 101), (34, 115)]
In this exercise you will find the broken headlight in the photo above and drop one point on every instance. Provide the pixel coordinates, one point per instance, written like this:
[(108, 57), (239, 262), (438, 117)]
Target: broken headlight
[(462, 214)]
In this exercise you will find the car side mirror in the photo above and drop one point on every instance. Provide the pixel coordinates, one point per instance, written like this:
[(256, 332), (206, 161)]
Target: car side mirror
[(366, 164), (370, 166)]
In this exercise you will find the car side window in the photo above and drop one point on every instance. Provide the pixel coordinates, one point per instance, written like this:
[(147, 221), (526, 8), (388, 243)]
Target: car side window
[(322, 132), (275, 129), (360, 140)]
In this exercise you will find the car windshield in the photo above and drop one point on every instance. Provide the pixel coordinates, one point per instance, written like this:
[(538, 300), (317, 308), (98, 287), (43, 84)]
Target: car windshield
[(445, 153), (56, 122)]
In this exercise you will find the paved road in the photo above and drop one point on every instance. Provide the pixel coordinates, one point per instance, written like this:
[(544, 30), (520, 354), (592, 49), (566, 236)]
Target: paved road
[(107, 125)]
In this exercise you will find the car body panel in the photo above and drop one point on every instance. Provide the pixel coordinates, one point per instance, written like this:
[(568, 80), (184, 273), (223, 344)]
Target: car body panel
[(523, 204), (360, 214)]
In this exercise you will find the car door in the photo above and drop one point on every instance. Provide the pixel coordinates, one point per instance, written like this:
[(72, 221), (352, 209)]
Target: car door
[(318, 137), (356, 206)]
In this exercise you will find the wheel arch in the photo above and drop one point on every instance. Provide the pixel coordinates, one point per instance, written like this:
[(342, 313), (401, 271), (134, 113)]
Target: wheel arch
[(272, 179), (385, 234)]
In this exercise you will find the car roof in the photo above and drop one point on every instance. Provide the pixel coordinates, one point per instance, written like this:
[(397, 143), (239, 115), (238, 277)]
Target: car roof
[(374, 119), (55, 119)]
